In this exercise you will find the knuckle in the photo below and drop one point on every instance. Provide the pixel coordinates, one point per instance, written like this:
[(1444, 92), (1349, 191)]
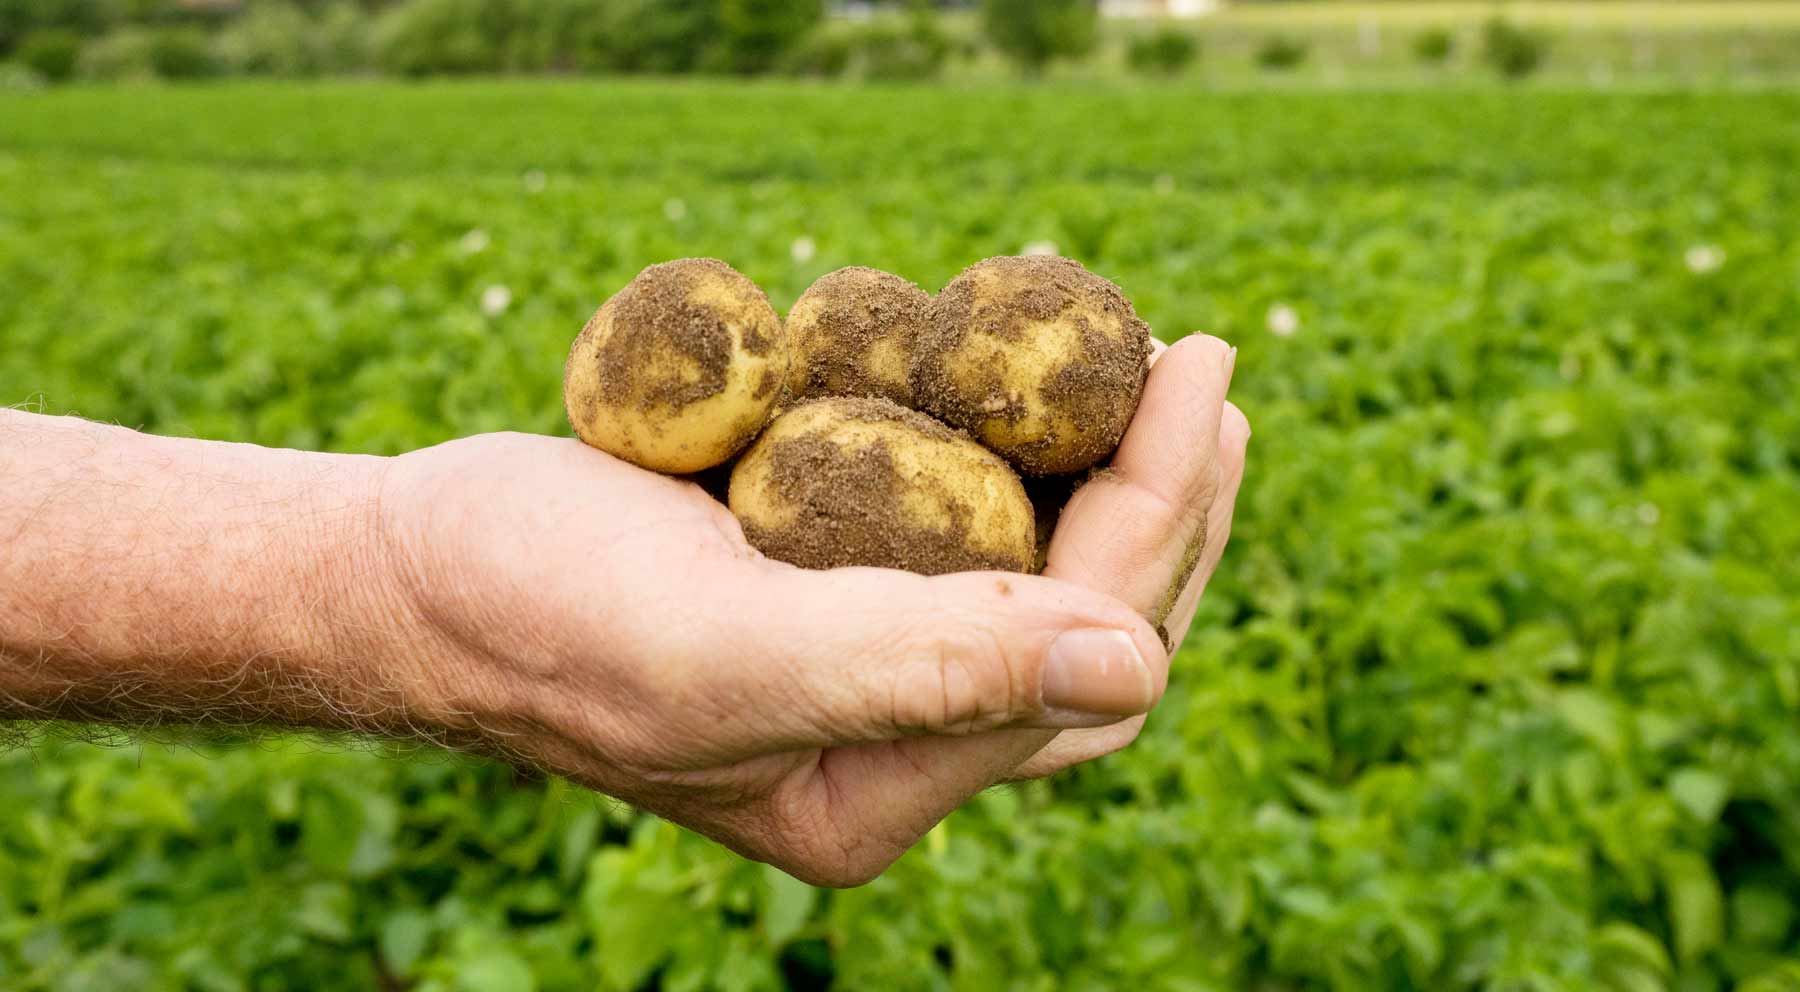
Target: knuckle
[(1169, 517), (958, 679)]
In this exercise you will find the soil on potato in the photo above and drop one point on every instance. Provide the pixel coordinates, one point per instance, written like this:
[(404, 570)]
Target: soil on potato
[(1088, 389), (658, 333), (857, 307), (849, 510)]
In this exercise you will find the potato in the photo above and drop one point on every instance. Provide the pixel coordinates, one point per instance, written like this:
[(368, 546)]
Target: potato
[(863, 481), (1040, 359), (852, 333), (679, 370)]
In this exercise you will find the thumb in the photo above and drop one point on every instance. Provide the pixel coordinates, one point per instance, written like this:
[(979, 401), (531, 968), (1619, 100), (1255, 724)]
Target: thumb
[(877, 654)]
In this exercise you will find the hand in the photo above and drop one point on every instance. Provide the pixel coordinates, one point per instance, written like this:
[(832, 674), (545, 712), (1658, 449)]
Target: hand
[(538, 599), (566, 609), (1151, 530)]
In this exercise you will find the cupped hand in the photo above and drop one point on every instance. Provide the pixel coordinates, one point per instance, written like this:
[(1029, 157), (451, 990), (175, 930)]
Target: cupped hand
[(569, 610), (565, 609)]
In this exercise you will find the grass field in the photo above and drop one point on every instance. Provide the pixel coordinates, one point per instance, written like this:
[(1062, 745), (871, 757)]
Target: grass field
[(1499, 686)]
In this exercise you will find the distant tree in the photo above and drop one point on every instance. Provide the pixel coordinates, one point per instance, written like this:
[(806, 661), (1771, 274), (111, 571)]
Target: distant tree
[(19, 18), (271, 38), (1281, 52), (442, 37), (1033, 32), (1434, 45), (885, 49), (663, 35), (826, 53), (51, 52), (1167, 51), (755, 34), (1513, 51), (182, 53), (668, 36)]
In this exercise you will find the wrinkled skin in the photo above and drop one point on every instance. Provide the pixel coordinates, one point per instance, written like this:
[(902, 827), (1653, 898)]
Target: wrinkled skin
[(612, 625)]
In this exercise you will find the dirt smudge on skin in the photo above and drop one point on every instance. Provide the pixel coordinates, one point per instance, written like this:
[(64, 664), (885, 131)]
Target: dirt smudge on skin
[(1184, 573)]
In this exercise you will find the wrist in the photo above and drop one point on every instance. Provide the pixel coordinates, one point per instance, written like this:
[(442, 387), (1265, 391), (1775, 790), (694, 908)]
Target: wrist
[(401, 655), (364, 637)]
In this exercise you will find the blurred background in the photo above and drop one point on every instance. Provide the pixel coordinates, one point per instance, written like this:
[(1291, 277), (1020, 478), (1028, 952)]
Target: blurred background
[(1301, 42), (1499, 684)]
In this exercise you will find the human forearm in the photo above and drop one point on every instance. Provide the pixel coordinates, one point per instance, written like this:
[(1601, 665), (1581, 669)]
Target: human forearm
[(145, 578)]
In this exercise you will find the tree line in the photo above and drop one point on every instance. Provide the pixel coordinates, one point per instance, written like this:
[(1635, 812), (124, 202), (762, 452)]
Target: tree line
[(907, 39)]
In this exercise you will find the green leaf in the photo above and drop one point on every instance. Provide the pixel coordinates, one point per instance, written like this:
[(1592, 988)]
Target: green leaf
[(1422, 942), (1700, 792), (578, 839), (786, 904), (1311, 903), (696, 957), (1632, 978), (494, 970), (405, 934), (1594, 717), (205, 973), (348, 833), (1761, 915), (1625, 942), (326, 911), (157, 806), (604, 872), (1696, 906), (1230, 891), (629, 922), (1783, 977), (745, 968)]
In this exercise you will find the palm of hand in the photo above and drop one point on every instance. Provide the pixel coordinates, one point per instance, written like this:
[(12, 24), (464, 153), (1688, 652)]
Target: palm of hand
[(612, 625)]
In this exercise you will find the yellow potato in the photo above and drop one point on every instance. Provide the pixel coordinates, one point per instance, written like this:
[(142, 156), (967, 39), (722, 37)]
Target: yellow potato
[(860, 481), (679, 370), (852, 333), (1040, 359)]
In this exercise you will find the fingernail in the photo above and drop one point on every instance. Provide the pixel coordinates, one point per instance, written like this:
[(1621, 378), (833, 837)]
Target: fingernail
[(1094, 670), (1230, 364)]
